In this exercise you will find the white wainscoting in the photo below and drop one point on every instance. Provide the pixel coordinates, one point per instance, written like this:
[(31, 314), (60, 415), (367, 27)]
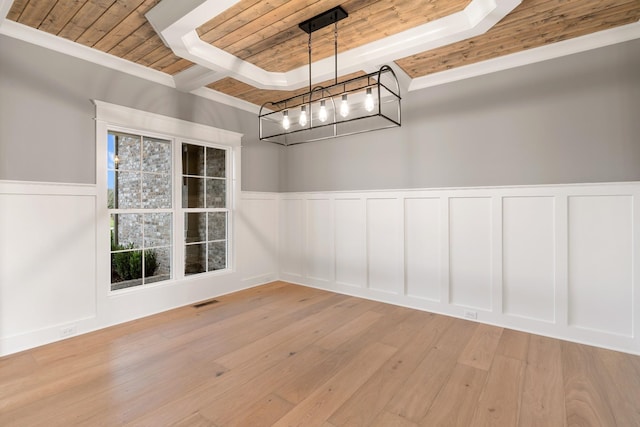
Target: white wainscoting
[(50, 264), (557, 260), (257, 237)]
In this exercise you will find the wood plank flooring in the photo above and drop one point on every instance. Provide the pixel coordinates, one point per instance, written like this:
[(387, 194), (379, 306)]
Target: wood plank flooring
[(286, 355)]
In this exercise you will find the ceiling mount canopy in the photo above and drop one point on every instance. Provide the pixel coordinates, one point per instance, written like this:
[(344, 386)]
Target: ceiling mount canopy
[(360, 104)]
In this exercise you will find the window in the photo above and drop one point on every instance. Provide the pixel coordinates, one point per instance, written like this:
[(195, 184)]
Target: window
[(166, 191), (139, 197), (204, 201)]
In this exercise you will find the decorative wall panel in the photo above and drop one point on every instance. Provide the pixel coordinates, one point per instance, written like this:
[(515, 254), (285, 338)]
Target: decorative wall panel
[(470, 252), (384, 238), (350, 242), (600, 263), (422, 247), (528, 257)]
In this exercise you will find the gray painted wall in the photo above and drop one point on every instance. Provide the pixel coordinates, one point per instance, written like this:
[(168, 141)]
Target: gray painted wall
[(569, 120), (47, 132), (572, 119)]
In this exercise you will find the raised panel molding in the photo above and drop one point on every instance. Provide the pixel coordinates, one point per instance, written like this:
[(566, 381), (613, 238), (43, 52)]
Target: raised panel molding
[(384, 245), (350, 242), (601, 263), (422, 239), (291, 232), (470, 252), (319, 255), (528, 257), (556, 260)]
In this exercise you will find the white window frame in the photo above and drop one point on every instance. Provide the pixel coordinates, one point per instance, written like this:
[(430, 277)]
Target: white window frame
[(228, 201), (112, 117)]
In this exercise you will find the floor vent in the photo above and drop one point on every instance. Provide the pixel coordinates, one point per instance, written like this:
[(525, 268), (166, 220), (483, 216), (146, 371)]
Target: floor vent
[(205, 303)]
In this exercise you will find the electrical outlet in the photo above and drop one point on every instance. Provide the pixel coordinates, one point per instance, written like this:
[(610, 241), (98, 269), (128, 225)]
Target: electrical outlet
[(468, 314), (67, 331)]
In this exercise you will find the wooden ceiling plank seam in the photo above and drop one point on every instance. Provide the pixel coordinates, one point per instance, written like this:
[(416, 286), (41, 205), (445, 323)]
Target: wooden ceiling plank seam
[(509, 26), (506, 33), (276, 32), (285, 35), (259, 42), (126, 27), (111, 17), (535, 37), (177, 67), (349, 36), (16, 10), (570, 8), (60, 15), (35, 12), (534, 41), (144, 48), (134, 40), (137, 54), (165, 61), (89, 13), (226, 15), (155, 55), (288, 15), (241, 19)]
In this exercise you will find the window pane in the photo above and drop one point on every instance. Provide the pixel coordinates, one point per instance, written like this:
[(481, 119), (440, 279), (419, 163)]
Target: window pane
[(217, 256), (192, 192), (195, 259), (195, 227), (127, 190), (126, 231), (216, 162), (217, 226), (157, 265), (216, 194), (156, 191), (157, 229), (111, 185), (156, 155), (192, 159), (152, 259), (127, 152), (126, 269)]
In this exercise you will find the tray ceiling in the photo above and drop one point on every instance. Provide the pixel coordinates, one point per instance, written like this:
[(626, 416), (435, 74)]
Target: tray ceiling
[(254, 51)]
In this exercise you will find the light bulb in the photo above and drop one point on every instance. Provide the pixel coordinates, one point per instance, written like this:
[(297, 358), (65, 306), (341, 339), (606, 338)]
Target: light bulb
[(285, 120), (344, 106), (303, 116), (368, 101), (322, 115)]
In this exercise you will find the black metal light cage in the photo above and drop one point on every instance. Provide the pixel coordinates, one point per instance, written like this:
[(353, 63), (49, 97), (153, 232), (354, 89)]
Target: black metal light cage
[(382, 87)]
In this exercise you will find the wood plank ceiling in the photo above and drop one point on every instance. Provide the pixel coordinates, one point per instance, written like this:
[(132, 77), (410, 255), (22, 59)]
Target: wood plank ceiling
[(266, 33)]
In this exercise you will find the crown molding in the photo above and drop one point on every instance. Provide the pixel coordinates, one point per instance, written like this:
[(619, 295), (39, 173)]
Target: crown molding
[(176, 22), (481, 16), (543, 53), (41, 38), (223, 98)]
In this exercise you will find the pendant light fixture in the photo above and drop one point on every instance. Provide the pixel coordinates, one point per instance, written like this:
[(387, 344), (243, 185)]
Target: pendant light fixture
[(360, 104)]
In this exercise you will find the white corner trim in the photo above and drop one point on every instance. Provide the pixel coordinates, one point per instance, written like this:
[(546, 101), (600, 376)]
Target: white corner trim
[(229, 100), (143, 120), (531, 56), (77, 50), (177, 20), (5, 7)]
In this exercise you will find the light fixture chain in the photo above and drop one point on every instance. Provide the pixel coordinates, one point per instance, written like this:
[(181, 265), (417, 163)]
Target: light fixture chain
[(335, 42), (309, 67)]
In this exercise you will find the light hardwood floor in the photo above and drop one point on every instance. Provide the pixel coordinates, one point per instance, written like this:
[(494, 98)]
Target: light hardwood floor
[(287, 355)]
